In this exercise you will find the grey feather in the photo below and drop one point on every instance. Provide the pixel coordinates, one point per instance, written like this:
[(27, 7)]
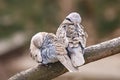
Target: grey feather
[(48, 51)]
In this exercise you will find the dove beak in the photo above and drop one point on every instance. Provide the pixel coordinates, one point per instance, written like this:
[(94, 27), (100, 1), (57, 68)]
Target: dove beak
[(77, 24)]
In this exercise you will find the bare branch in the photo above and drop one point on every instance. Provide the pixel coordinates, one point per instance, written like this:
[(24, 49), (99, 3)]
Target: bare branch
[(92, 53)]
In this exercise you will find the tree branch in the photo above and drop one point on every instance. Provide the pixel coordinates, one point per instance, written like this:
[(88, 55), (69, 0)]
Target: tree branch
[(92, 53)]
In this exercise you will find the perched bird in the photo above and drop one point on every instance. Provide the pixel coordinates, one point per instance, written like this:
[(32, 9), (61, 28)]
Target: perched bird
[(45, 48), (71, 33)]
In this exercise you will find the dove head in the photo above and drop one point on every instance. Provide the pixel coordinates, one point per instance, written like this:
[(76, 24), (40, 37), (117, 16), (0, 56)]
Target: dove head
[(74, 17)]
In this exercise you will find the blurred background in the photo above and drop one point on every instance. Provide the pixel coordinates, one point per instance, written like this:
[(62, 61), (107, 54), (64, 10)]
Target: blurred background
[(21, 19)]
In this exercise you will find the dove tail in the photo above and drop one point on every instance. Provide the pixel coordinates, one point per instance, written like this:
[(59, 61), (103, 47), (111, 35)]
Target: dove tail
[(77, 57), (65, 60)]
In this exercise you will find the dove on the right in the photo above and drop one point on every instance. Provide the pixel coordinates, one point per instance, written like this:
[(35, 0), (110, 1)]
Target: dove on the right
[(71, 33)]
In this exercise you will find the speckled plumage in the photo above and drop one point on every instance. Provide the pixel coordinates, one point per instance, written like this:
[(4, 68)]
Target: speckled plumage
[(45, 48), (72, 34)]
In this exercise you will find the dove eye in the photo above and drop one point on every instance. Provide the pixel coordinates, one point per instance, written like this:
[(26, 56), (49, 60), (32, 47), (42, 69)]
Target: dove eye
[(35, 55), (68, 19)]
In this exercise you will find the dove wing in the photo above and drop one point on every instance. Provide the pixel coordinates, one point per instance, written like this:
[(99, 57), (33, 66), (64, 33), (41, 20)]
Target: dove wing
[(61, 35)]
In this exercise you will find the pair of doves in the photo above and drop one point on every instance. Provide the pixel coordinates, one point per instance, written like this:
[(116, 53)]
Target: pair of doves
[(67, 46)]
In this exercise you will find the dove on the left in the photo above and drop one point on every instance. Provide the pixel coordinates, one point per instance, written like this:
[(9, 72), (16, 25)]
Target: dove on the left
[(45, 48)]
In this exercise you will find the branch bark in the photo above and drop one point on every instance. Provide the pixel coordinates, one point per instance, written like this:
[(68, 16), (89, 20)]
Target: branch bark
[(92, 53)]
